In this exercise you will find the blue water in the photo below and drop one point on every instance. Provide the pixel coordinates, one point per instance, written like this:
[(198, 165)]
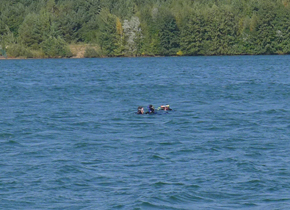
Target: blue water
[(70, 138)]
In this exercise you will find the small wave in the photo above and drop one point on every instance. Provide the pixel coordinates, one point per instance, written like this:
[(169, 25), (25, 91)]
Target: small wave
[(231, 148), (160, 183), (226, 160), (170, 143), (254, 181), (157, 157), (250, 204), (164, 206), (185, 197), (146, 204), (6, 135), (270, 111), (80, 145), (12, 143), (67, 169), (276, 200)]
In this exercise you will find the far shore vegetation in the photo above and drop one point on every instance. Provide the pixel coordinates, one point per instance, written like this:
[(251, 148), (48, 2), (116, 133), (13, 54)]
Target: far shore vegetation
[(131, 28)]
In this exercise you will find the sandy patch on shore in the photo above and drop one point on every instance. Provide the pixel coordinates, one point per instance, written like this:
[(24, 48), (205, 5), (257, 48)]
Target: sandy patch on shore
[(78, 51)]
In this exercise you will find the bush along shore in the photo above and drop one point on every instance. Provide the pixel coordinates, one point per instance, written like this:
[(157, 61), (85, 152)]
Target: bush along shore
[(109, 28)]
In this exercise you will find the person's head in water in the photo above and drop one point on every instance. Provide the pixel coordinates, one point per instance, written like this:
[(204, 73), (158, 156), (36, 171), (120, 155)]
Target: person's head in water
[(140, 110), (165, 107), (151, 109)]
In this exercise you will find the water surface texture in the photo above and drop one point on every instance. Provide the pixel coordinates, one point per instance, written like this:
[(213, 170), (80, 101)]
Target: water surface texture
[(70, 138)]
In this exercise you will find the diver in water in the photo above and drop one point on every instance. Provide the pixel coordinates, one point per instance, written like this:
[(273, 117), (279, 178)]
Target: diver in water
[(151, 109), (140, 110), (165, 108)]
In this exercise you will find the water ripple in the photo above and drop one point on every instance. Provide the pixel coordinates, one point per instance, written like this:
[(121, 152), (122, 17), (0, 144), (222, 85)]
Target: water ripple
[(70, 137)]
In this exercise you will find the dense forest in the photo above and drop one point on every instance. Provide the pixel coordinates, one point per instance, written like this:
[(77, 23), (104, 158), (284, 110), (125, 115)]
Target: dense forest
[(49, 28)]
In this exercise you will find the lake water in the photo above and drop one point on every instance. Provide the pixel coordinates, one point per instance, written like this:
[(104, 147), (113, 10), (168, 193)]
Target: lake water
[(70, 137)]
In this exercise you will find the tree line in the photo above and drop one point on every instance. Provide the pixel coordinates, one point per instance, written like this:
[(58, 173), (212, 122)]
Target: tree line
[(46, 28)]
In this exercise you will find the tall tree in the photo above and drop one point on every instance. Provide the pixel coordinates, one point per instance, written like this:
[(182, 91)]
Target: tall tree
[(108, 33), (168, 33)]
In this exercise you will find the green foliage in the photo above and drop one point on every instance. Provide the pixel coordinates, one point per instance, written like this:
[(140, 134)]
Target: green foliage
[(151, 27), (18, 50), (107, 33), (91, 52), (168, 33), (12, 15), (55, 47), (192, 34), (3, 53), (35, 29)]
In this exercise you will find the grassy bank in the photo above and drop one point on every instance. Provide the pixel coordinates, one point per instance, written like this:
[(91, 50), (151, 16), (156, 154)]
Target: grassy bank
[(80, 50)]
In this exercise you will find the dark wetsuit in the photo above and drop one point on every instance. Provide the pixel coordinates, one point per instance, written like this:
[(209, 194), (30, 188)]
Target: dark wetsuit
[(151, 110)]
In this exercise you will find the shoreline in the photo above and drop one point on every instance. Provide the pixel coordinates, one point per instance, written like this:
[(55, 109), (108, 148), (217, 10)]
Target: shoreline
[(158, 56)]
